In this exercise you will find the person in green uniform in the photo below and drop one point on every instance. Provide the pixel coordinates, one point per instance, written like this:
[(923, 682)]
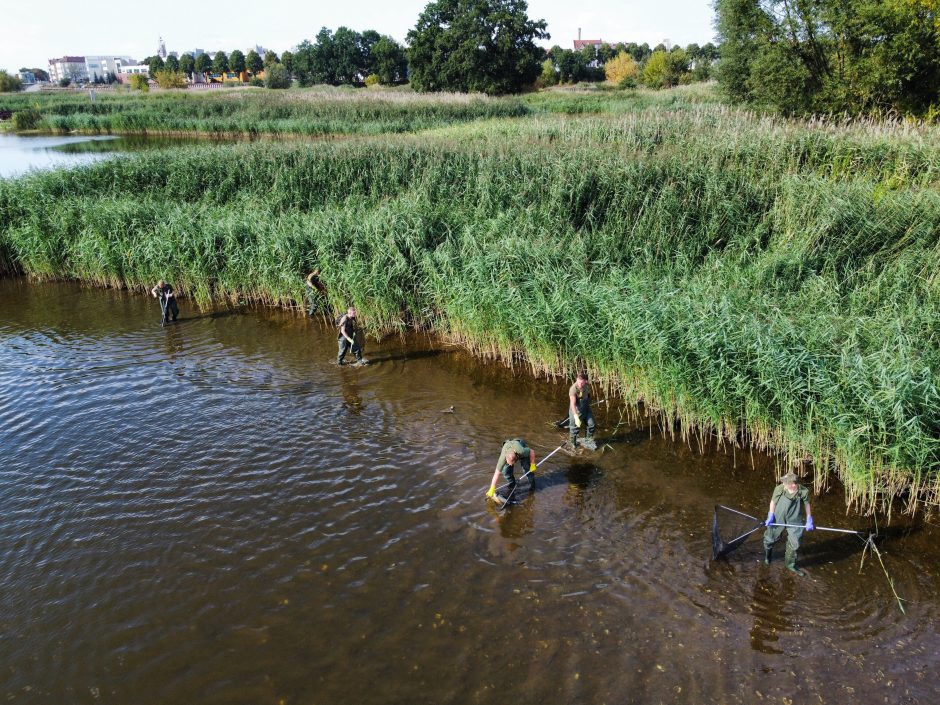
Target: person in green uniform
[(315, 289), (789, 504), (514, 453), (579, 412), (350, 338)]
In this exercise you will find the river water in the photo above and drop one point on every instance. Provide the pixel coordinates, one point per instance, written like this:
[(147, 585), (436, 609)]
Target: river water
[(215, 512), (21, 153)]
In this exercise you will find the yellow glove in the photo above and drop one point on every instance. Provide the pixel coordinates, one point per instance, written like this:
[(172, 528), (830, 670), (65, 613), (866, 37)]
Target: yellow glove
[(491, 492), (532, 468), (577, 420)]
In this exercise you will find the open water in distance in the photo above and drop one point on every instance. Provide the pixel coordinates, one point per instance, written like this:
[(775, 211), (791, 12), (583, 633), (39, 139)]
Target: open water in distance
[(215, 513), (21, 153)]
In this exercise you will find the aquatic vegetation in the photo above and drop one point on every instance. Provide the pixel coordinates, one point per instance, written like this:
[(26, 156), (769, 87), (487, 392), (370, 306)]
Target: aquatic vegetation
[(319, 111), (765, 280)]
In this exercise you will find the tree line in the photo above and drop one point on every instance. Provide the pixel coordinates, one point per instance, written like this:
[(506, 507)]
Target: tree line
[(826, 56)]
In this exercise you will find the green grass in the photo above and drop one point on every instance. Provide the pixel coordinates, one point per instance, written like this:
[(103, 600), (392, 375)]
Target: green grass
[(770, 281), (311, 112)]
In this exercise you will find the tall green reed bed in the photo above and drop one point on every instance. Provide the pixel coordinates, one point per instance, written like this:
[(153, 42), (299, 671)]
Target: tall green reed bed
[(732, 275), (245, 111)]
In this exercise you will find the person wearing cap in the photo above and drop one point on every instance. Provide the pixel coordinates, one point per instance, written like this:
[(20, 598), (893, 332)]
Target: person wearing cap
[(514, 452), (579, 412), (164, 292), (789, 504), (315, 289)]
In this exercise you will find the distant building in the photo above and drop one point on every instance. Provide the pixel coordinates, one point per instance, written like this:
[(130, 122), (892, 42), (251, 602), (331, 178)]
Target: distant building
[(125, 72), (100, 67), (70, 67), (161, 48), (27, 77), (579, 43)]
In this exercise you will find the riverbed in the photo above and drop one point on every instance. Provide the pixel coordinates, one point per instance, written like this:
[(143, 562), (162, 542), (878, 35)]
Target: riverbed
[(214, 512)]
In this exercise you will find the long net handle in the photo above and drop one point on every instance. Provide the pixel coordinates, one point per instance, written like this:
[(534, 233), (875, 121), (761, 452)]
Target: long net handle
[(737, 512), (819, 528)]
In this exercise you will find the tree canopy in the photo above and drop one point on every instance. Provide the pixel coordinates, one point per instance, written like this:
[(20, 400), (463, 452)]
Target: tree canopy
[(806, 56), (486, 46)]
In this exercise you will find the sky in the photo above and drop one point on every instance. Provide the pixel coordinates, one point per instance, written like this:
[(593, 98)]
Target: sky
[(30, 37)]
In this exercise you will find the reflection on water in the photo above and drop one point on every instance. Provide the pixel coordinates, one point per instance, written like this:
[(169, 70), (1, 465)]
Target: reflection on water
[(22, 153), (215, 512)]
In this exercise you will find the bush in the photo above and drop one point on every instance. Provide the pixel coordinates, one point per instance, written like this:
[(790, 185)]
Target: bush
[(256, 82), (276, 77), (622, 70), (28, 119), (372, 80), (9, 83), (138, 82), (64, 82), (167, 78)]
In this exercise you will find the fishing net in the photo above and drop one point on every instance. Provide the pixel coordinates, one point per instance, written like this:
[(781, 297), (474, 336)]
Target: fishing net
[(730, 529)]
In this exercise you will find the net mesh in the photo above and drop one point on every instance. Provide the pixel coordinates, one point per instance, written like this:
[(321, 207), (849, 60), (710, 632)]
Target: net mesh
[(730, 529)]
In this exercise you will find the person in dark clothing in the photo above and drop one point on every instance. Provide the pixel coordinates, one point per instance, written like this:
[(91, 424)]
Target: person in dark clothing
[(350, 338), (315, 289), (164, 292), (789, 504)]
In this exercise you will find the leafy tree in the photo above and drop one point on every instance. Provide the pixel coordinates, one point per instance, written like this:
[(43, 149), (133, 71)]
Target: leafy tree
[(548, 77), (219, 62), (167, 78), (187, 64), (475, 45), (389, 61), (202, 64), (270, 58), (275, 76), (154, 64), (656, 71), (254, 62), (10, 83), (138, 82), (64, 82), (350, 59), (236, 62), (172, 63), (622, 70), (802, 56), (287, 58)]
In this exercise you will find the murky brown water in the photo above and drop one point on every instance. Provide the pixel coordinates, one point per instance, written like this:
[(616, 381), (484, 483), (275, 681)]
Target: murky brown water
[(216, 513)]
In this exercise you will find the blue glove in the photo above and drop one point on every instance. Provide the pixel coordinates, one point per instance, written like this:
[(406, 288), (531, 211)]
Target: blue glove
[(770, 519), (809, 524)]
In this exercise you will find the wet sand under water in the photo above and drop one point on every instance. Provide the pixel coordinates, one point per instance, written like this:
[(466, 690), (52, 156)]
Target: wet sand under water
[(216, 513)]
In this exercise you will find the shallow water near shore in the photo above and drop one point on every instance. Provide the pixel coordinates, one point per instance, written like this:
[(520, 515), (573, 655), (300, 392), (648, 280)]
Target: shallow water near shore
[(215, 512)]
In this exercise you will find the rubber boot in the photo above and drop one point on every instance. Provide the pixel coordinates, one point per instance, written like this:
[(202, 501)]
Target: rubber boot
[(791, 564), (768, 555)]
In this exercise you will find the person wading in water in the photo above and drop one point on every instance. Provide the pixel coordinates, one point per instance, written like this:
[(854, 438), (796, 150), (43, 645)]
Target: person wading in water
[(789, 504), (513, 452), (579, 413), (164, 292), (315, 289), (349, 338)]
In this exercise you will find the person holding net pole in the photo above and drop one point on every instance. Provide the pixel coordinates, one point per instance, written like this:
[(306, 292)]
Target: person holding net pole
[(789, 505), (513, 452)]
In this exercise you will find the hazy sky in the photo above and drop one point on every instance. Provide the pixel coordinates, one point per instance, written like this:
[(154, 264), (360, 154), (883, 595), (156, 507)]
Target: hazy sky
[(31, 35)]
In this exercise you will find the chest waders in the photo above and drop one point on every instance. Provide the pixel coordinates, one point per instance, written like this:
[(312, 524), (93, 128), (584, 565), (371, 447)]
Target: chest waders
[(349, 328), (788, 510), (583, 406)]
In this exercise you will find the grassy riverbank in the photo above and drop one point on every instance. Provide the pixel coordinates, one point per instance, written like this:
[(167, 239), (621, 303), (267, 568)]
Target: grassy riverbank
[(768, 280)]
